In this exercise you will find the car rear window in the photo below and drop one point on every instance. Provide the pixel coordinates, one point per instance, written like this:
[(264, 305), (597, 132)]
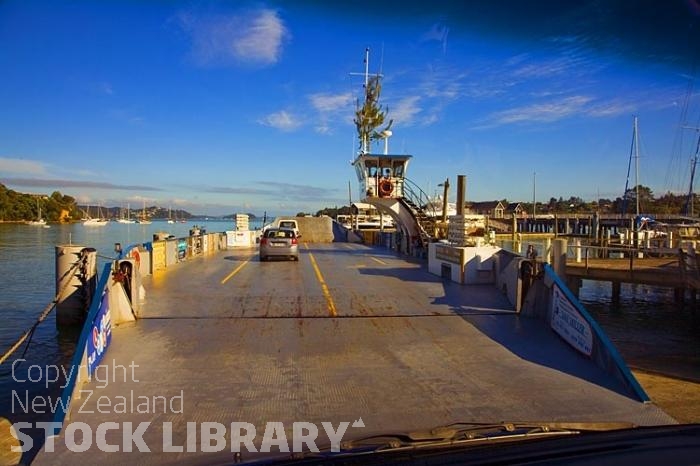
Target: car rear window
[(279, 234), (287, 225)]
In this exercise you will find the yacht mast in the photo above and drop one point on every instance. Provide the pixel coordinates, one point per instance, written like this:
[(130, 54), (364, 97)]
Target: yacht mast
[(689, 207), (636, 162)]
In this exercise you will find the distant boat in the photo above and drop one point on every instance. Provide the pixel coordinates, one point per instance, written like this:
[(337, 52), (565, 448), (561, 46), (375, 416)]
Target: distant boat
[(143, 220), (435, 205), (128, 216), (95, 222), (170, 215), (39, 222)]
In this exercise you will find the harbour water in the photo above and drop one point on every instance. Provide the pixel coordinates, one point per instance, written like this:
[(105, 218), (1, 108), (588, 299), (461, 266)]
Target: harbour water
[(27, 285), (650, 331)]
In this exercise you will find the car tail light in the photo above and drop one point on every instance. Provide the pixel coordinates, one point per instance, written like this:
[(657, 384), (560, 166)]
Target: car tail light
[(295, 241), (263, 241)]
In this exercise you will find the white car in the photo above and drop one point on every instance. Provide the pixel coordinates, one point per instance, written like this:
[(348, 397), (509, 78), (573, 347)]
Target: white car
[(290, 225)]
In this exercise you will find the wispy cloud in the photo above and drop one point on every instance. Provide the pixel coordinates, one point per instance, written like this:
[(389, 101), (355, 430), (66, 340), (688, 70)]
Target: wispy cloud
[(558, 107), (405, 110), (51, 183), (281, 120), (423, 102), (275, 190), (229, 190), (22, 166), (253, 37), (330, 107), (300, 191), (140, 199), (571, 64), (542, 112), (442, 82), (326, 103), (438, 32), (612, 108)]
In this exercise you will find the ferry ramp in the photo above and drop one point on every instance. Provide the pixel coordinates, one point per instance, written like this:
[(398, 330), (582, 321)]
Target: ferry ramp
[(349, 332)]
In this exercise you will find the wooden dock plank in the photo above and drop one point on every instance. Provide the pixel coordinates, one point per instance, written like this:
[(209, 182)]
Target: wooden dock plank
[(648, 271)]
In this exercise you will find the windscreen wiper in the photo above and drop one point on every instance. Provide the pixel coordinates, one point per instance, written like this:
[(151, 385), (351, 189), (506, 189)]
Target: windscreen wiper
[(463, 434)]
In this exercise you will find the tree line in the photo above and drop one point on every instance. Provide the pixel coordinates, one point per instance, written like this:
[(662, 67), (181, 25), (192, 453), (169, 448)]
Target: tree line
[(666, 204), (16, 206)]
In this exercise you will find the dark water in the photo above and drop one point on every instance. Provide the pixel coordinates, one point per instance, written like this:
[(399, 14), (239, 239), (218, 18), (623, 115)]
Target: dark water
[(650, 331)]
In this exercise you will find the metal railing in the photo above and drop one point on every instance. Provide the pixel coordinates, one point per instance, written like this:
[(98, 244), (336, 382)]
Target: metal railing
[(413, 193), (584, 253), (578, 253)]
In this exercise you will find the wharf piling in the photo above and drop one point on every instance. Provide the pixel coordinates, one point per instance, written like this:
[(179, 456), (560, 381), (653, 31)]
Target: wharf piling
[(76, 280)]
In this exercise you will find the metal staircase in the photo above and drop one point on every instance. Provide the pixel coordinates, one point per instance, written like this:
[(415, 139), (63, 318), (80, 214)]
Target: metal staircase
[(423, 211)]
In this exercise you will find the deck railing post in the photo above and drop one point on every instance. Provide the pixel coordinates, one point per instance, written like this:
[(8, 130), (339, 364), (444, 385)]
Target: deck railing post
[(577, 245), (559, 257)]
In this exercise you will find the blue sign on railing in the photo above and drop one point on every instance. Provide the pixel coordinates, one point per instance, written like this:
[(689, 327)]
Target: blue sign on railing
[(181, 249), (569, 323), (100, 335)]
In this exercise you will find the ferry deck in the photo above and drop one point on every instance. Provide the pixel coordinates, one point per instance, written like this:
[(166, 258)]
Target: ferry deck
[(349, 332)]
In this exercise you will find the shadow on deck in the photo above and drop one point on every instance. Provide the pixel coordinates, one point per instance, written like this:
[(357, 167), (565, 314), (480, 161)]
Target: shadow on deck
[(489, 311)]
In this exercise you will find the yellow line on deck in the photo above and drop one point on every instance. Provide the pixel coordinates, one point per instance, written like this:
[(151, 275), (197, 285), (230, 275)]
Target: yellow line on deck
[(236, 270), (324, 287), (378, 260)]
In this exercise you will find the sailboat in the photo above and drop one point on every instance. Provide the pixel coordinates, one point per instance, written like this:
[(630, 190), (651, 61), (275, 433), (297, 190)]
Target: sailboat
[(128, 216), (170, 215), (95, 222), (143, 220), (39, 222), (642, 222)]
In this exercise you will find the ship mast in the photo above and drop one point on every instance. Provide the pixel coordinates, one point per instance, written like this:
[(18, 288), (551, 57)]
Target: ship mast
[(634, 153), (689, 202), (636, 162), (370, 115)]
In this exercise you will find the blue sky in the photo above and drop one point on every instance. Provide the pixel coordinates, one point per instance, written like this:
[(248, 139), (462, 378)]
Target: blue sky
[(219, 107)]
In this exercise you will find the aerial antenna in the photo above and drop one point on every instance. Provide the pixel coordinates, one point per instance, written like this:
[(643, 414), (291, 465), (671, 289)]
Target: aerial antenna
[(365, 74), (370, 115), (366, 67), (352, 150), (381, 60)]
